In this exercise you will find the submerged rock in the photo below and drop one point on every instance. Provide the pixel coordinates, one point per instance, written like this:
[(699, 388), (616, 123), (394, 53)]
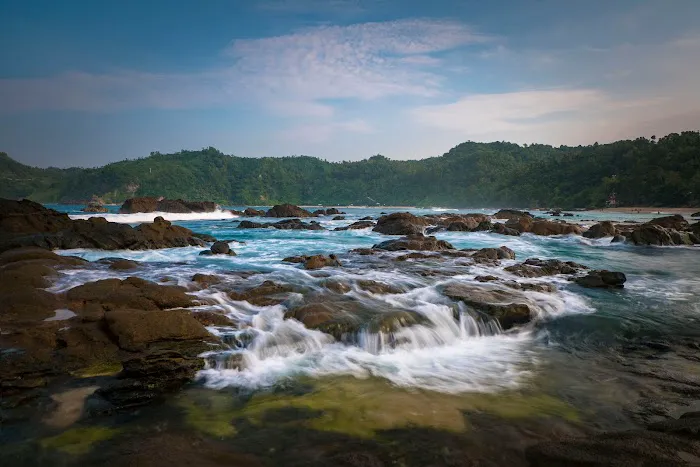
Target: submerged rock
[(493, 254), (602, 279), (400, 223), (503, 230), (414, 242), (535, 267), (509, 307), (356, 226), (266, 294), (296, 224), (321, 261), (253, 225)]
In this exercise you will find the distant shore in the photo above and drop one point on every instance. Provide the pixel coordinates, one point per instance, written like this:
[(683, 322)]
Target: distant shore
[(649, 210)]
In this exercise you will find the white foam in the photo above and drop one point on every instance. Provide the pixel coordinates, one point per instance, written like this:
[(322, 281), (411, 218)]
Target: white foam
[(61, 315), (140, 217)]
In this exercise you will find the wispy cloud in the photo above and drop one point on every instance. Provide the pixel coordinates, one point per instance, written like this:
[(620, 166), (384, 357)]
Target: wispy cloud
[(319, 132)]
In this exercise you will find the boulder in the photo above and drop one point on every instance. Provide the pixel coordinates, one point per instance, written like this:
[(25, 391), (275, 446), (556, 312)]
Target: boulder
[(509, 214), (600, 230), (24, 223), (136, 329), (509, 307), (618, 239), (602, 279), (211, 318), (377, 287), (414, 242), (339, 218), (543, 227), (356, 225), (296, 224), (253, 225), (123, 264), (220, 248), (400, 223), (287, 210), (503, 230), (266, 294), (205, 279), (675, 222), (468, 224), (143, 204), (651, 234), (250, 212), (695, 214), (534, 267), (321, 261), (493, 254)]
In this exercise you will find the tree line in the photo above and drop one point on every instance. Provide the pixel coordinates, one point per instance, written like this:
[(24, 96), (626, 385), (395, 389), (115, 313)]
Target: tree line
[(644, 171)]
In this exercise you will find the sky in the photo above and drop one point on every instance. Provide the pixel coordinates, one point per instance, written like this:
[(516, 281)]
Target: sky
[(85, 83)]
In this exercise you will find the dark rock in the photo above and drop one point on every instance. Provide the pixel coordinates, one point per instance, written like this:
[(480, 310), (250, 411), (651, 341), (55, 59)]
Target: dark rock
[(543, 227), (356, 225), (600, 230), (337, 286), (147, 204), (414, 242), (417, 255), (602, 279), (95, 205), (377, 287), (211, 318), (675, 222), (651, 234), (363, 251), (133, 205), (339, 218), (400, 223), (509, 307), (123, 264), (206, 279), (503, 230), (463, 225), (295, 259), (321, 261), (253, 225), (568, 214), (266, 294), (250, 212), (367, 218), (287, 210), (485, 278), (296, 224), (534, 267), (618, 239), (493, 254), (220, 248), (509, 214), (485, 225)]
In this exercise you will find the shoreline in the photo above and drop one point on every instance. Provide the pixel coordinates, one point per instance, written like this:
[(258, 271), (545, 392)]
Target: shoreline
[(648, 210)]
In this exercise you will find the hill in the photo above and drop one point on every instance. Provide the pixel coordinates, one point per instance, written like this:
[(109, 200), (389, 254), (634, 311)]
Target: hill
[(641, 171)]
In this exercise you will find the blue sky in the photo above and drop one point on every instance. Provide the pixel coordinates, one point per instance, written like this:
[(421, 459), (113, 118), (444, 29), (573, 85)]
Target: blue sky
[(84, 83)]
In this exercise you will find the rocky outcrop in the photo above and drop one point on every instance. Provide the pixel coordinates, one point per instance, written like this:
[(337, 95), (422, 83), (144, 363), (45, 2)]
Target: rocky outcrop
[(95, 205), (287, 210), (219, 248), (418, 242), (665, 231), (542, 227), (266, 294), (503, 230), (509, 214), (356, 226), (675, 222), (601, 230), (650, 234), (149, 204), (327, 212), (25, 223), (493, 254), (535, 267), (250, 212), (507, 306), (602, 280), (321, 261), (287, 224), (400, 223)]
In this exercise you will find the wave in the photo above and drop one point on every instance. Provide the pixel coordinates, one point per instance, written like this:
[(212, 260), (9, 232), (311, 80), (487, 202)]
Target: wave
[(443, 209), (140, 217)]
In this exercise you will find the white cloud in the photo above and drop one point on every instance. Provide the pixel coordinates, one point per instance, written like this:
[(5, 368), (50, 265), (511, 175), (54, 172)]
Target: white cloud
[(316, 133)]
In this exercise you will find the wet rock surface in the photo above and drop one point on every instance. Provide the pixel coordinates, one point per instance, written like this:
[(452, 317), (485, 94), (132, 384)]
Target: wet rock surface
[(287, 210), (414, 242), (401, 223)]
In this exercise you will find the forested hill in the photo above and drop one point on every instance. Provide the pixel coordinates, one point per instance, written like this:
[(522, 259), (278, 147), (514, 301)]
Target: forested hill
[(642, 172)]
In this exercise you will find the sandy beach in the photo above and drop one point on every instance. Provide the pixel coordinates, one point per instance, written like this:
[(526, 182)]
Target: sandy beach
[(650, 210)]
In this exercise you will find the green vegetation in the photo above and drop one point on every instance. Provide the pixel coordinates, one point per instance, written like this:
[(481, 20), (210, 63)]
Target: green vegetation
[(642, 172), (79, 441)]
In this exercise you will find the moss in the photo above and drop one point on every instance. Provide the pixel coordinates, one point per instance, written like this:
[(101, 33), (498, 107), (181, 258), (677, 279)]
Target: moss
[(99, 369), (362, 407), (212, 416), (78, 440)]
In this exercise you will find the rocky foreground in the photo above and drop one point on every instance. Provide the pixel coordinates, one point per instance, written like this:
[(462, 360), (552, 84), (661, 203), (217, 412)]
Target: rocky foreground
[(139, 340)]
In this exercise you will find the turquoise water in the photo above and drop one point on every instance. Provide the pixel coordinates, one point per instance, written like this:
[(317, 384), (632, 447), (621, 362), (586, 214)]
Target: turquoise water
[(661, 300)]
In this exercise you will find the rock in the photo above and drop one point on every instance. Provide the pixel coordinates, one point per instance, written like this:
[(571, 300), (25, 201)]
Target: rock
[(123, 265), (493, 254), (356, 225), (509, 214), (253, 225), (568, 214), (618, 239), (250, 212), (400, 223), (503, 230), (337, 286), (377, 287), (24, 223), (683, 238), (675, 222), (509, 307), (321, 261), (651, 234), (295, 259), (485, 225), (136, 329), (148, 204), (417, 255), (543, 227), (534, 267), (363, 251), (466, 225), (266, 294), (370, 218), (339, 218), (625, 448), (485, 278), (206, 279), (334, 318), (91, 299), (211, 318), (220, 248), (414, 242), (287, 210), (296, 224), (600, 230), (602, 279), (95, 205)]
